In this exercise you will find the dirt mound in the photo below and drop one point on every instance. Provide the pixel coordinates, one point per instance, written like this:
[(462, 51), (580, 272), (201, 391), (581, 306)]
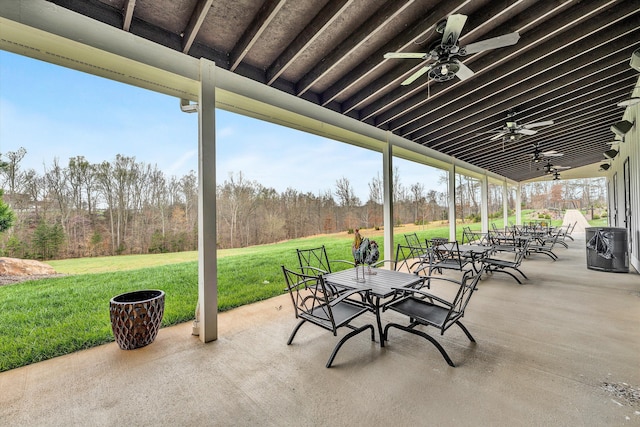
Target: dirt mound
[(14, 270)]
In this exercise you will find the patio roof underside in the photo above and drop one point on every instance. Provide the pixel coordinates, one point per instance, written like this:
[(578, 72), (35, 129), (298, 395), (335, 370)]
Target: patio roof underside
[(570, 65)]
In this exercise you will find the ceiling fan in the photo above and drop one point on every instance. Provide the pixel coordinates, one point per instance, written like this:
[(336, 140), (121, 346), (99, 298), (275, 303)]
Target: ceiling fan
[(443, 52), (513, 131), (537, 156), (553, 169)]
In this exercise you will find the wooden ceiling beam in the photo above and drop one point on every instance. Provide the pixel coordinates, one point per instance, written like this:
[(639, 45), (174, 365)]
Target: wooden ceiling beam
[(195, 23)]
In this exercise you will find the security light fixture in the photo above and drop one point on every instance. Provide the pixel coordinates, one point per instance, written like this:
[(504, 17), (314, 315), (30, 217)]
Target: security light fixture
[(635, 60), (610, 154), (605, 166), (622, 127)]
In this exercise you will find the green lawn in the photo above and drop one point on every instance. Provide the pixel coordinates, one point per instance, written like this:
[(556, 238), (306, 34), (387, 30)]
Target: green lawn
[(46, 318)]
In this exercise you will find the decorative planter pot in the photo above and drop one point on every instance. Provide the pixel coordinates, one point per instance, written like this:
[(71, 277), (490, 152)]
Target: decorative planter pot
[(136, 317)]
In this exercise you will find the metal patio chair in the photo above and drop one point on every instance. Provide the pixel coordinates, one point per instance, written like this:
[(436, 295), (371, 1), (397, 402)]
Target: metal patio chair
[(446, 255), (473, 237), (316, 303), (427, 309), (545, 245), (315, 261), (503, 265), (413, 241), (411, 259)]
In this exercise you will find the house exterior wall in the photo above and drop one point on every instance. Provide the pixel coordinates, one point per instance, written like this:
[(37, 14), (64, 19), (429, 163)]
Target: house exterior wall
[(624, 211)]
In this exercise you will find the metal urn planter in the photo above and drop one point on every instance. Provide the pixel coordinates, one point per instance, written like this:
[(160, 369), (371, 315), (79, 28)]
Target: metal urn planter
[(136, 317)]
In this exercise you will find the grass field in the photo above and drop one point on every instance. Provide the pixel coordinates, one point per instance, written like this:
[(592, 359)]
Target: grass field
[(45, 318)]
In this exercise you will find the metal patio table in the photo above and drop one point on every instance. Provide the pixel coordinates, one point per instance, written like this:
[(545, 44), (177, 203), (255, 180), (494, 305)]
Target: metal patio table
[(381, 284)]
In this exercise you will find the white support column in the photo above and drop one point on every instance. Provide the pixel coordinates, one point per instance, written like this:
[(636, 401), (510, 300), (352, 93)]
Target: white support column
[(484, 207), (505, 205), (519, 204), (207, 257), (387, 184), (452, 202)]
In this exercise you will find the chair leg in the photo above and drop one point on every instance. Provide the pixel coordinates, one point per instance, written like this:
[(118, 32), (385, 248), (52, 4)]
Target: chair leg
[(466, 331), (346, 337), (423, 335), (520, 271), (295, 331), (510, 274)]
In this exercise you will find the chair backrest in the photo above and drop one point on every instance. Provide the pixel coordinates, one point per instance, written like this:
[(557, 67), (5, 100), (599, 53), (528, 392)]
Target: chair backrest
[(521, 252), (310, 297), (449, 252), (553, 238), (413, 240), (468, 285), (435, 241), (467, 235), (314, 262), (409, 258)]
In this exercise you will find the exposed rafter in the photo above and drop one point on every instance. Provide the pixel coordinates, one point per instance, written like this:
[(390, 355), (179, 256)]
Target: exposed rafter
[(129, 6), (267, 13), (570, 64), (195, 22)]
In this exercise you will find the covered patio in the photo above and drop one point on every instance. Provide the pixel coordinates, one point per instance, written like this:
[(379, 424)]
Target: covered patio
[(562, 349)]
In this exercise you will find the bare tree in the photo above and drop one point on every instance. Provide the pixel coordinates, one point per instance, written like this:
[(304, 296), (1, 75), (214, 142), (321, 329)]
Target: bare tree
[(348, 200), (418, 199), (11, 169)]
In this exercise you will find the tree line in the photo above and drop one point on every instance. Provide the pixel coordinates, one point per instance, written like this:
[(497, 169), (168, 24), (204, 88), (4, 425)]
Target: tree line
[(123, 206)]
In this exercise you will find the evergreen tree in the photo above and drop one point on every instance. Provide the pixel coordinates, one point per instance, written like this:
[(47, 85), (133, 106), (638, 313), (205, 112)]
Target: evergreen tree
[(7, 217)]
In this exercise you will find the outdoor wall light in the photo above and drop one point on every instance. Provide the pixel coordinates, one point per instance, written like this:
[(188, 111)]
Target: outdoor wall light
[(605, 166), (621, 128), (610, 154)]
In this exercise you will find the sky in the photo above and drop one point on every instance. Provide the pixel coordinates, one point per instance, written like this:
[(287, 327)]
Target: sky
[(55, 112)]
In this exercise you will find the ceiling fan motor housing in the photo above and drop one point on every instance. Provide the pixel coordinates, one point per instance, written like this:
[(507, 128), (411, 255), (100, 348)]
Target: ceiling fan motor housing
[(444, 71)]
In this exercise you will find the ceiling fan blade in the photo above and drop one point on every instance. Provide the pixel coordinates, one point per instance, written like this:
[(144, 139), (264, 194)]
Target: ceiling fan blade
[(552, 154), (525, 131), (493, 43), (562, 167), (464, 72), (403, 55), (416, 75), (496, 137), (538, 124), (453, 29)]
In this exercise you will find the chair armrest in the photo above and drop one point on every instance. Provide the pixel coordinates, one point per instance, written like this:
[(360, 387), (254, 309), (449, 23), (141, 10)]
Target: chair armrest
[(413, 291), (382, 262), (315, 269), (348, 294), (351, 263)]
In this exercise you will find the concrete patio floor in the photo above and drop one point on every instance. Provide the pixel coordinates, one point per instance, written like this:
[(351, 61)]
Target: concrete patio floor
[(549, 352)]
